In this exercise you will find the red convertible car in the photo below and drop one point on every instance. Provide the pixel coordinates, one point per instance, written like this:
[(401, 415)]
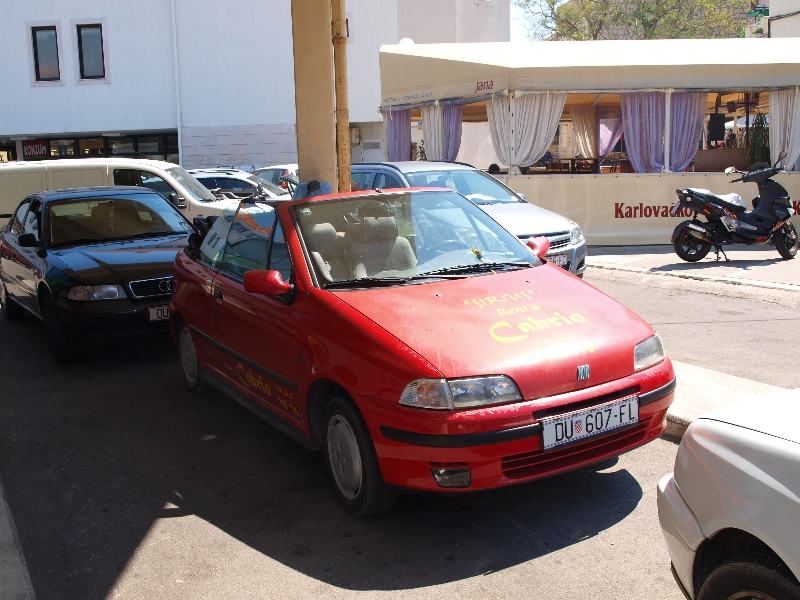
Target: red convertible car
[(416, 342)]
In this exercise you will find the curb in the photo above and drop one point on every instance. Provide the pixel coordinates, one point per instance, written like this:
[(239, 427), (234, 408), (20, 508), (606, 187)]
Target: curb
[(769, 285)]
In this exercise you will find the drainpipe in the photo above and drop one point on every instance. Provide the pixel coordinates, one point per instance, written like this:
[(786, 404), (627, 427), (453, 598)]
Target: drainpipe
[(176, 76), (339, 39)]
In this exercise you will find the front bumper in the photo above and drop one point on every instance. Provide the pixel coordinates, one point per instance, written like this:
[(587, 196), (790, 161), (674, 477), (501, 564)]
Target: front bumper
[(681, 532), (503, 456), (92, 321)]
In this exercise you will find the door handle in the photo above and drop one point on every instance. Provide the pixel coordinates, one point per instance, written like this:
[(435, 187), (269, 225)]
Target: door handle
[(217, 293)]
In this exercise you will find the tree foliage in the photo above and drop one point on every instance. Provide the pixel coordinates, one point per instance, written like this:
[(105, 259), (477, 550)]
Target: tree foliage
[(634, 19)]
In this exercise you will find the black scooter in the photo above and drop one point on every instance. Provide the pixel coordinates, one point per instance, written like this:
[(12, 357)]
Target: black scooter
[(729, 222)]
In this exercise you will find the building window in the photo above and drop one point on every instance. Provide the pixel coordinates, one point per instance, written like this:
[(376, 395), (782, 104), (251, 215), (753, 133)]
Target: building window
[(45, 53), (90, 52)]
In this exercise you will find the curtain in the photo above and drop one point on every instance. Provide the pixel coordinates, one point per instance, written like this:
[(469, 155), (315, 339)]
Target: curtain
[(452, 131), (643, 124), (397, 131), (687, 115), (609, 127), (584, 120), (523, 127), (784, 126), (433, 131)]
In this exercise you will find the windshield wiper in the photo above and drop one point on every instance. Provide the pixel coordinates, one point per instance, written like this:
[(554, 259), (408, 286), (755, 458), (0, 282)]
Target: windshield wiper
[(483, 267), (366, 282)]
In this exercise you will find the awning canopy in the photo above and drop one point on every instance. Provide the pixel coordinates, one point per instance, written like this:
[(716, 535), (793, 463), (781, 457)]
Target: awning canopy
[(413, 74)]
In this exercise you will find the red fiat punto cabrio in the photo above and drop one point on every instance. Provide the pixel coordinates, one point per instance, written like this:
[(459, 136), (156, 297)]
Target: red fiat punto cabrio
[(418, 343)]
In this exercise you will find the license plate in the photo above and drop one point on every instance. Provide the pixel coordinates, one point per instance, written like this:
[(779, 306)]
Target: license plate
[(159, 313), (583, 424), (558, 259), (675, 208)]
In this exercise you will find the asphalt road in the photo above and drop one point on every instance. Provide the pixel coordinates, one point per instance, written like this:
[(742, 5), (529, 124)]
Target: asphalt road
[(746, 337), (123, 484)]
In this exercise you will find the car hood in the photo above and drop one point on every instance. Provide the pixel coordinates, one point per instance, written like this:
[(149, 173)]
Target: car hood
[(774, 414), (524, 219), (118, 262), (535, 325)]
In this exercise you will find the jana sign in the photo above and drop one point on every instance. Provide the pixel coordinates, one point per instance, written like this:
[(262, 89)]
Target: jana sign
[(36, 149)]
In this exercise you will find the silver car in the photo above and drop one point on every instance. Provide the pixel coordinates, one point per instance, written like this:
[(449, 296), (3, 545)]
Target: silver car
[(511, 210), (729, 512)]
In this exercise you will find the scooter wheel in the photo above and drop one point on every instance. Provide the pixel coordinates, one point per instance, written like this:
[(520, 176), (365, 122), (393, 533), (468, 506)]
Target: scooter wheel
[(689, 248), (786, 241)]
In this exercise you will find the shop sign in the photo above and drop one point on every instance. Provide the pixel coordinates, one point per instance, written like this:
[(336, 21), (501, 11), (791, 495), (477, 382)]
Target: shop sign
[(36, 149)]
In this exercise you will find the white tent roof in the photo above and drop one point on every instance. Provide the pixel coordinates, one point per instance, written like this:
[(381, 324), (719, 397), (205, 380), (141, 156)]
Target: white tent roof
[(418, 73)]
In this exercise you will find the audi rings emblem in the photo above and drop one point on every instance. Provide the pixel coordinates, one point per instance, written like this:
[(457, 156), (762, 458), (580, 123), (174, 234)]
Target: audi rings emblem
[(165, 286)]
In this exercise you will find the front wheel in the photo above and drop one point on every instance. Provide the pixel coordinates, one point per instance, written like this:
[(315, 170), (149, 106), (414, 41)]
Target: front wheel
[(763, 579), (688, 247), (187, 352), (351, 461), (786, 241)]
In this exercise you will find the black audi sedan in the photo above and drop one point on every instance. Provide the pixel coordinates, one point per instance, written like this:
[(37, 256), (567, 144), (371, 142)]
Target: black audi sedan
[(91, 263)]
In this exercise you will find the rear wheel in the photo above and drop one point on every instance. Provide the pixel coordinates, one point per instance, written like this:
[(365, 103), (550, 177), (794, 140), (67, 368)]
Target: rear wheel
[(760, 579), (10, 309), (57, 340), (689, 248), (786, 241), (188, 355), (351, 461)]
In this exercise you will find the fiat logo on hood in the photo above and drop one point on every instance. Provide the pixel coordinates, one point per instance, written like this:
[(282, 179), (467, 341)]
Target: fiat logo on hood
[(583, 372)]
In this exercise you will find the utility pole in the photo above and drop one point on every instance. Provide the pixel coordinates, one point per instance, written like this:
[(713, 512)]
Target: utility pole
[(339, 39)]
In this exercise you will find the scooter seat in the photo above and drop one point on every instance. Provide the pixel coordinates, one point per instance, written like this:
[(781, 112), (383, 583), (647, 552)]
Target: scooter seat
[(732, 201)]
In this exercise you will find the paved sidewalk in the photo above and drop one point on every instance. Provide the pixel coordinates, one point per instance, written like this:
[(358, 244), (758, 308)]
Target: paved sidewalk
[(754, 266), (699, 391)]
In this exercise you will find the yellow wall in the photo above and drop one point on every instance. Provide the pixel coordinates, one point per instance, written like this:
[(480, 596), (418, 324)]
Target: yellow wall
[(630, 208)]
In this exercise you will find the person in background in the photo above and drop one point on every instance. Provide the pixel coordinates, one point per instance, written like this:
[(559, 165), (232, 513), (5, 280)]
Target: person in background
[(494, 169)]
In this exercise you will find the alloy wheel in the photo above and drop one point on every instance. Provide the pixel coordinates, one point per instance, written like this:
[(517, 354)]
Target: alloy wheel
[(344, 456), (188, 356)]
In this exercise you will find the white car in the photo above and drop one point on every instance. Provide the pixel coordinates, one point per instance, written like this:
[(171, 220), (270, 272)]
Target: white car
[(730, 513), (236, 183), (273, 173)]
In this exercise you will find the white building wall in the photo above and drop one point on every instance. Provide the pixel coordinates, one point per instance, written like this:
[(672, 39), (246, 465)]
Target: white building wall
[(235, 70), (237, 82), (136, 94), (788, 26)]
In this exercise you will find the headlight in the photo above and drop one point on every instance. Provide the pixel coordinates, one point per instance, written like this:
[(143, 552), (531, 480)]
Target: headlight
[(650, 352), (96, 292), (575, 234), (443, 394)]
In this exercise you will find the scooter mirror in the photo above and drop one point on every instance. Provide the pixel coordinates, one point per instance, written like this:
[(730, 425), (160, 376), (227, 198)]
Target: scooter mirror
[(781, 156), (730, 170)]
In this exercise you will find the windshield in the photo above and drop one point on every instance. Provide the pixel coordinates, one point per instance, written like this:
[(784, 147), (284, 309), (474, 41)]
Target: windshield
[(92, 220), (198, 191), (473, 184), (269, 186), (392, 238)]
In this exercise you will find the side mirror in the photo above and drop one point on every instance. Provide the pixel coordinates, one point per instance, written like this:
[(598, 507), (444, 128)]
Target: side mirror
[(730, 170), (28, 240), (176, 201), (266, 283), (523, 196), (539, 245)]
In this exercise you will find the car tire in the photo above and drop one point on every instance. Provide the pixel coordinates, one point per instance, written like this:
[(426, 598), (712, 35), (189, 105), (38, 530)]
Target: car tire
[(187, 353), (10, 309), (351, 461), (57, 340), (764, 578)]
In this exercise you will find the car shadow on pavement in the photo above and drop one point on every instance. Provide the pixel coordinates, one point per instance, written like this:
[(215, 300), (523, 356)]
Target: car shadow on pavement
[(94, 455)]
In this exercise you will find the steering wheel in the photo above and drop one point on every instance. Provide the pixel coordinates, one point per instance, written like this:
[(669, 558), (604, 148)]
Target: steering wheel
[(448, 245)]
